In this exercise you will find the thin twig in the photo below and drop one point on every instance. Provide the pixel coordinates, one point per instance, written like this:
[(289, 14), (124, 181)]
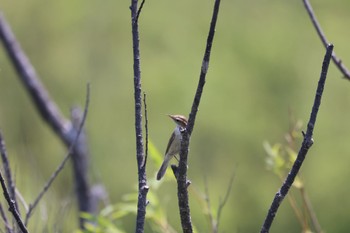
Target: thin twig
[(182, 183), (295, 208), (337, 61), (3, 216), (12, 206), (306, 144), (310, 211), (21, 200), (51, 114), (215, 222), (61, 166), (146, 129), (139, 10), (7, 169), (207, 200), (142, 179), (222, 203)]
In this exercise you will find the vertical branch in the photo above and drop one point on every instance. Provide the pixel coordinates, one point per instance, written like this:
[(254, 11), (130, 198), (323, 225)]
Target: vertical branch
[(51, 114), (182, 173), (306, 144), (142, 180), (80, 162), (182, 193)]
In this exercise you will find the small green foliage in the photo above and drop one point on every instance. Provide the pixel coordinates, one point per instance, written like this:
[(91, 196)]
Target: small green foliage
[(99, 224), (109, 217), (280, 159)]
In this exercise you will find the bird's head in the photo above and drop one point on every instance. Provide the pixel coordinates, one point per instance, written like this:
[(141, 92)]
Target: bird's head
[(179, 120)]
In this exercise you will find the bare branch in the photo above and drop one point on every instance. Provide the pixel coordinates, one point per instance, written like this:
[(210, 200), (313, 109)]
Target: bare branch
[(11, 203), (139, 10), (223, 202), (207, 201), (7, 169), (21, 200), (337, 61), (142, 179), (50, 114), (6, 223), (306, 144), (61, 166), (204, 69), (215, 222), (310, 211), (182, 182), (31, 81)]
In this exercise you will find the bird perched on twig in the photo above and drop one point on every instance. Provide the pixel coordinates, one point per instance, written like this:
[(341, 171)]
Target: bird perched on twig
[(174, 144)]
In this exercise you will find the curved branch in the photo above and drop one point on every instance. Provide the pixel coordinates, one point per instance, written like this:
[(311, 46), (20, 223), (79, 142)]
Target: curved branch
[(306, 144)]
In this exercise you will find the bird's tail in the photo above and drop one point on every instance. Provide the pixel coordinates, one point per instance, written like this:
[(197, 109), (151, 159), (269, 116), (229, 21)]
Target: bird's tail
[(164, 166)]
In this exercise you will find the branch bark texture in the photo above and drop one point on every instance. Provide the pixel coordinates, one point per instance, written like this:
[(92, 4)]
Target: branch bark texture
[(182, 184), (306, 144), (142, 180)]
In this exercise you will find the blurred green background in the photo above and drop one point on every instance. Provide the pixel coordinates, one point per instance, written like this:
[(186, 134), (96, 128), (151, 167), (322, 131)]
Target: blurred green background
[(265, 62)]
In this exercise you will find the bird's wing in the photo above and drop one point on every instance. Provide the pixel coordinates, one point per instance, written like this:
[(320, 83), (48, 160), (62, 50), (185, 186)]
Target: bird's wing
[(170, 142)]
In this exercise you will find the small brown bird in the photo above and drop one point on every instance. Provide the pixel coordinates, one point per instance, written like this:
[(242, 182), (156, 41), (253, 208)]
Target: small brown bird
[(174, 144)]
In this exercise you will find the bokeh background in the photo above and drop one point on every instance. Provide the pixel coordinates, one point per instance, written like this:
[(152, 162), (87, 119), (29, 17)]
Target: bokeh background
[(265, 63)]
